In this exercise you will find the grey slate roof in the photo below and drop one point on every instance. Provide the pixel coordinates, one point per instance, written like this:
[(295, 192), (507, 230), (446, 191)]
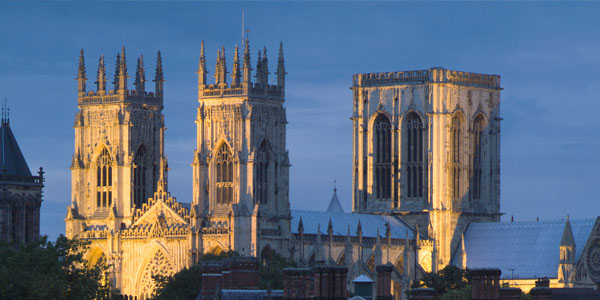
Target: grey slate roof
[(530, 248), (341, 221), (334, 205), (11, 157)]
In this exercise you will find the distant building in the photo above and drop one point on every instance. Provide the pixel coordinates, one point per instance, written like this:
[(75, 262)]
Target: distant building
[(20, 192)]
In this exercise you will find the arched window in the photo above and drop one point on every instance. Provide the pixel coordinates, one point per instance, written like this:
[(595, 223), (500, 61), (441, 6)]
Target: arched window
[(414, 155), (224, 166), (456, 135), (16, 221), (261, 185), (30, 221), (104, 180), (139, 177), (478, 126), (382, 133)]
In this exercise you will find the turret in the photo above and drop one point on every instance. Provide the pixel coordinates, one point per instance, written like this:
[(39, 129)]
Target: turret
[(281, 68), (101, 75), (117, 76), (123, 73), (202, 71), (247, 69), (159, 79), (567, 255), (221, 69), (262, 68), (235, 73), (140, 76), (81, 78)]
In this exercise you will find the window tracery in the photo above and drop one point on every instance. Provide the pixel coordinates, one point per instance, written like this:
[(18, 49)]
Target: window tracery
[(414, 155), (382, 132), (104, 180), (456, 135), (224, 168), (139, 177), (262, 168), (157, 265), (478, 127)]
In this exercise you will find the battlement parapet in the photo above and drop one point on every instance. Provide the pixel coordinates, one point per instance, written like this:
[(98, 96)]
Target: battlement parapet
[(129, 96), (271, 92), (432, 75)]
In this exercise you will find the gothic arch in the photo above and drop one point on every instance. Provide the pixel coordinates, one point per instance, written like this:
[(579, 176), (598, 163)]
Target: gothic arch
[(156, 261), (103, 163), (216, 250), (457, 133), (381, 136), (140, 176), (413, 155), (223, 174), (399, 264), (16, 218), (477, 140), (267, 253), (341, 261), (95, 255), (262, 162)]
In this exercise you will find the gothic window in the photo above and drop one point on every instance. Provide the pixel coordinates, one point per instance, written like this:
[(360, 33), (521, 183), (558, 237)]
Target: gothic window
[(30, 221), (261, 185), (16, 221), (478, 126), (224, 166), (414, 155), (139, 177), (456, 136), (382, 133), (157, 265), (104, 180)]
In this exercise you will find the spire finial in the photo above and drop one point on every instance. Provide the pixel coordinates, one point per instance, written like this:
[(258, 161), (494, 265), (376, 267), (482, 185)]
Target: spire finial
[(140, 75), (81, 77), (101, 75), (123, 71), (117, 76), (202, 71), (247, 68), (334, 186), (5, 112), (235, 72), (158, 77), (281, 67)]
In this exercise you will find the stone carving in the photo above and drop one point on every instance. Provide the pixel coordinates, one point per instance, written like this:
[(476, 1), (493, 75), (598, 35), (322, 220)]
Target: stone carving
[(593, 261)]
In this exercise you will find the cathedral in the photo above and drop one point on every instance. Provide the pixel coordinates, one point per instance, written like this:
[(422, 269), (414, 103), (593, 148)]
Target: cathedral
[(425, 189)]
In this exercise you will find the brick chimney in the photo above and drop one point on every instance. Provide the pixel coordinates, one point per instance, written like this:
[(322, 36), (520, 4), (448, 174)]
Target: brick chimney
[(384, 282), (485, 284)]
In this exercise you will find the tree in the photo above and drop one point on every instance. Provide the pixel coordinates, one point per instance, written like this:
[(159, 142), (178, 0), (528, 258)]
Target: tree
[(271, 269), (52, 270), (447, 279)]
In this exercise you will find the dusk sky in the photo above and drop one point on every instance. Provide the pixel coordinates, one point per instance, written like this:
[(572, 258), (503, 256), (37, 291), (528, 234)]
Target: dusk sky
[(548, 55)]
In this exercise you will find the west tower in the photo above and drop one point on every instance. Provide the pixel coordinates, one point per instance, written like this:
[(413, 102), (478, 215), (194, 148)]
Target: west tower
[(241, 162), (119, 146), (426, 146)]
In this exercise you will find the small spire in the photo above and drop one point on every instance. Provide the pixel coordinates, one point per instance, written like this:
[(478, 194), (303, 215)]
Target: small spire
[(330, 227), (81, 77), (140, 75), (300, 226), (5, 112), (101, 75), (348, 237), (117, 68), (221, 68), (378, 240), (159, 79), (281, 68), (247, 68), (259, 68), (123, 71), (567, 237), (235, 73), (359, 229), (202, 71)]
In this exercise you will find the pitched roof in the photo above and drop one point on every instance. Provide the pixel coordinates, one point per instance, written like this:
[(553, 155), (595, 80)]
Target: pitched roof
[(334, 205), (340, 222), (522, 249), (11, 158)]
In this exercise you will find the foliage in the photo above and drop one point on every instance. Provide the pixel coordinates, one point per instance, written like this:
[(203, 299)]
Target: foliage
[(186, 284), (460, 294), (525, 297), (52, 270), (447, 279), (271, 269)]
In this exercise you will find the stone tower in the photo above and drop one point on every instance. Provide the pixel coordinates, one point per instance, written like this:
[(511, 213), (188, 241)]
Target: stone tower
[(119, 138), (567, 259), (20, 192), (240, 190), (426, 146)]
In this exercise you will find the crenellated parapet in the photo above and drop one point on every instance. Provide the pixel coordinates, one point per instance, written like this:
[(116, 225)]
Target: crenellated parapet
[(432, 75), (241, 82), (120, 92)]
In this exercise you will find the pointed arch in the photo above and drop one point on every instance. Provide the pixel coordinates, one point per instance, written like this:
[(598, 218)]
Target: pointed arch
[(414, 158), (156, 264), (16, 218), (382, 157), (104, 183), (95, 255), (456, 138), (216, 250), (371, 263), (224, 161), (266, 254), (31, 219), (399, 264), (261, 182), (341, 261), (140, 176), (479, 124)]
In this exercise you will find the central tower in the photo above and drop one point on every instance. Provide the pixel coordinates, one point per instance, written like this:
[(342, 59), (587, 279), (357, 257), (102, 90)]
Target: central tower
[(241, 163)]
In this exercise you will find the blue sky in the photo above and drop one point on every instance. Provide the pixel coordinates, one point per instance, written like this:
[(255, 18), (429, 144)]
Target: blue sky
[(548, 55)]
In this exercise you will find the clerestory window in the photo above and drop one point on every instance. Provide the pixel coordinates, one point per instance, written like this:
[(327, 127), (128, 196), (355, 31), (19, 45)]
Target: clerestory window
[(104, 180), (382, 133), (224, 168)]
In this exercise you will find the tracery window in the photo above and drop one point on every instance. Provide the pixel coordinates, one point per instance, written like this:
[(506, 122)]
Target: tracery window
[(414, 155), (16, 221), (224, 183), (104, 180), (382, 133), (456, 135), (261, 185), (139, 178), (157, 265), (478, 126)]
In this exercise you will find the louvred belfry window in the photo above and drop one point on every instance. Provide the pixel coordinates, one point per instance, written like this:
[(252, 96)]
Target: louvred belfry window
[(104, 180), (478, 126), (261, 186), (414, 155), (139, 178), (382, 132), (224, 170), (456, 135)]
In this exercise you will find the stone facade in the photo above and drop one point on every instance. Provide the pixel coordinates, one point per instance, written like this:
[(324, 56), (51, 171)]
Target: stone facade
[(426, 146)]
